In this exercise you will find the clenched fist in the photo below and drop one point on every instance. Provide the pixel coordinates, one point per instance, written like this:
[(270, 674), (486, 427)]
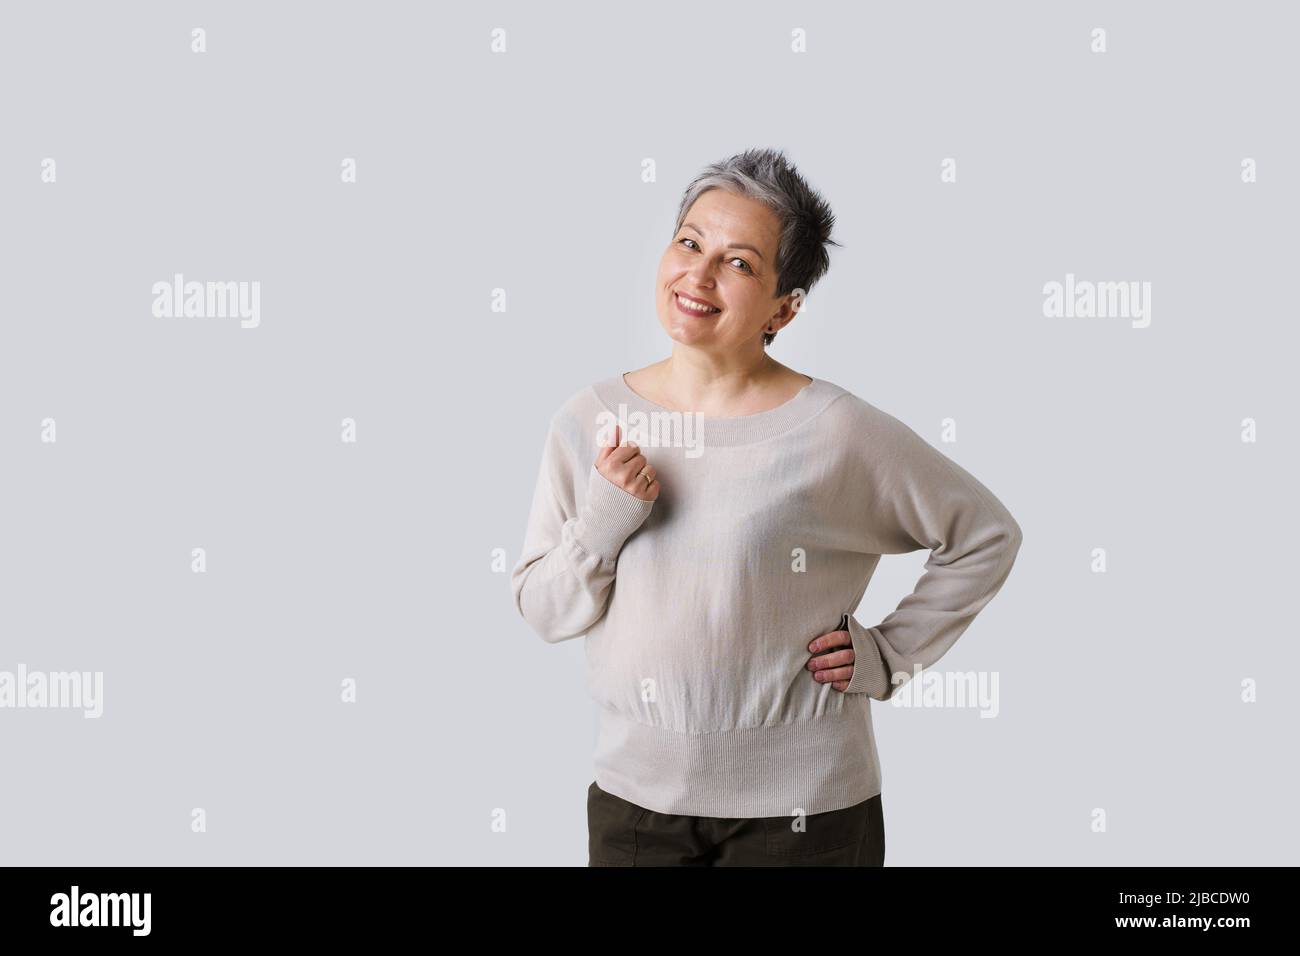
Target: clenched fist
[(625, 466)]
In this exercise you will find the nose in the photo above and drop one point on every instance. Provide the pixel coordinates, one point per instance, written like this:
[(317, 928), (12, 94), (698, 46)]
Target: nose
[(701, 274)]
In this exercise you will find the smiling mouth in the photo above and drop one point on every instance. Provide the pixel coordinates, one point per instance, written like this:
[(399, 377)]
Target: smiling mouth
[(691, 307)]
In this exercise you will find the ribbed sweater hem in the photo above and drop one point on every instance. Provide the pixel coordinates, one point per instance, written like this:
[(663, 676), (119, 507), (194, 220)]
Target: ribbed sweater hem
[(826, 763)]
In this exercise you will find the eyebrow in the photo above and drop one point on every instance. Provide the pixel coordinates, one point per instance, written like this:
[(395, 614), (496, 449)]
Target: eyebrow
[(738, 245)]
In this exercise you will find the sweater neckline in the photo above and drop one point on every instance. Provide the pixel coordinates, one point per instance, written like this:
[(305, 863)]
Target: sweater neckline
[(614, 392)]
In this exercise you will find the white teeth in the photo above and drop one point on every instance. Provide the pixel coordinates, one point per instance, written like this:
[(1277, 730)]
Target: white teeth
[(695, 306)]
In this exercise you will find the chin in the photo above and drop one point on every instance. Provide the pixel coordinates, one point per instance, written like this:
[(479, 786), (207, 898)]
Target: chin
[(687, 336)]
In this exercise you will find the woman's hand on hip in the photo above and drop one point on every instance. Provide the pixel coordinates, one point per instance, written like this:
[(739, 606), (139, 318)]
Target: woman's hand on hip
[(829, 665), (625, 466)]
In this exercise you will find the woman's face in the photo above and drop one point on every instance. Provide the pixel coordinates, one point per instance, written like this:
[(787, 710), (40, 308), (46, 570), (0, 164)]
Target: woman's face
[(724, 254)]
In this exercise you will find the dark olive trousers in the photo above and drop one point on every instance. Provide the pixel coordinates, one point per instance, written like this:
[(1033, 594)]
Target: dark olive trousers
[(620, 833)]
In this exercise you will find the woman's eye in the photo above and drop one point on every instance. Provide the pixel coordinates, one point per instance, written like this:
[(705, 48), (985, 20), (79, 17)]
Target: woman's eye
[(743, 264)]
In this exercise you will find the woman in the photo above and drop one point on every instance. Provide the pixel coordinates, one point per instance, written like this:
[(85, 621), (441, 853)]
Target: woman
[(714, 558)]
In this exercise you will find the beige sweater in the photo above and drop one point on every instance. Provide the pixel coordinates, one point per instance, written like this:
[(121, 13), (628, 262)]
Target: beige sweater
[(698, 608)]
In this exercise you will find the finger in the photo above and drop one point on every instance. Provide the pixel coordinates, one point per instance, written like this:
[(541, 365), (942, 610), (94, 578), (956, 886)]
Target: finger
[(833, 659), (648, 489), (604, 450), (628, 470), (638, 467), (833, 674), (625, 452), (832, 639), (626, 475)]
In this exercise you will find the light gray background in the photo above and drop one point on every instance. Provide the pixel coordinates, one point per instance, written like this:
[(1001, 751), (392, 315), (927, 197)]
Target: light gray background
[(522, 171)]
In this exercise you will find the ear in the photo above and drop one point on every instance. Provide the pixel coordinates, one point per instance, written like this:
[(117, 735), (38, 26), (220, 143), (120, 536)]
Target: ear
[(783, 315)]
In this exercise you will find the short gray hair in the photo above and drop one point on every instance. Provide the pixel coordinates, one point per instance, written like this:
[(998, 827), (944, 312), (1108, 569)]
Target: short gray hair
[(805, 217)]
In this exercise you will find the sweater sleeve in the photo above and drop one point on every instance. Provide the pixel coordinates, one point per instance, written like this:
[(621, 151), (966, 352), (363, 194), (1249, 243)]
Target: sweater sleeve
[(577, 525), (919, 498)]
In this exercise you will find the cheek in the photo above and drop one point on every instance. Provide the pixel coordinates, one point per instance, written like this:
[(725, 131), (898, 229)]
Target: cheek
[(666, 276), (743, 304)]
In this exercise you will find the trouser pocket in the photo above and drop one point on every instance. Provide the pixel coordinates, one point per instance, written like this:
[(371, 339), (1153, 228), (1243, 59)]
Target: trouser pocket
[(611, 828), (853, 836)]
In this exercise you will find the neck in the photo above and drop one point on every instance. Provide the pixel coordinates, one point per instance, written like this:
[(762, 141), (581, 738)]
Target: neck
[(697, 380)]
